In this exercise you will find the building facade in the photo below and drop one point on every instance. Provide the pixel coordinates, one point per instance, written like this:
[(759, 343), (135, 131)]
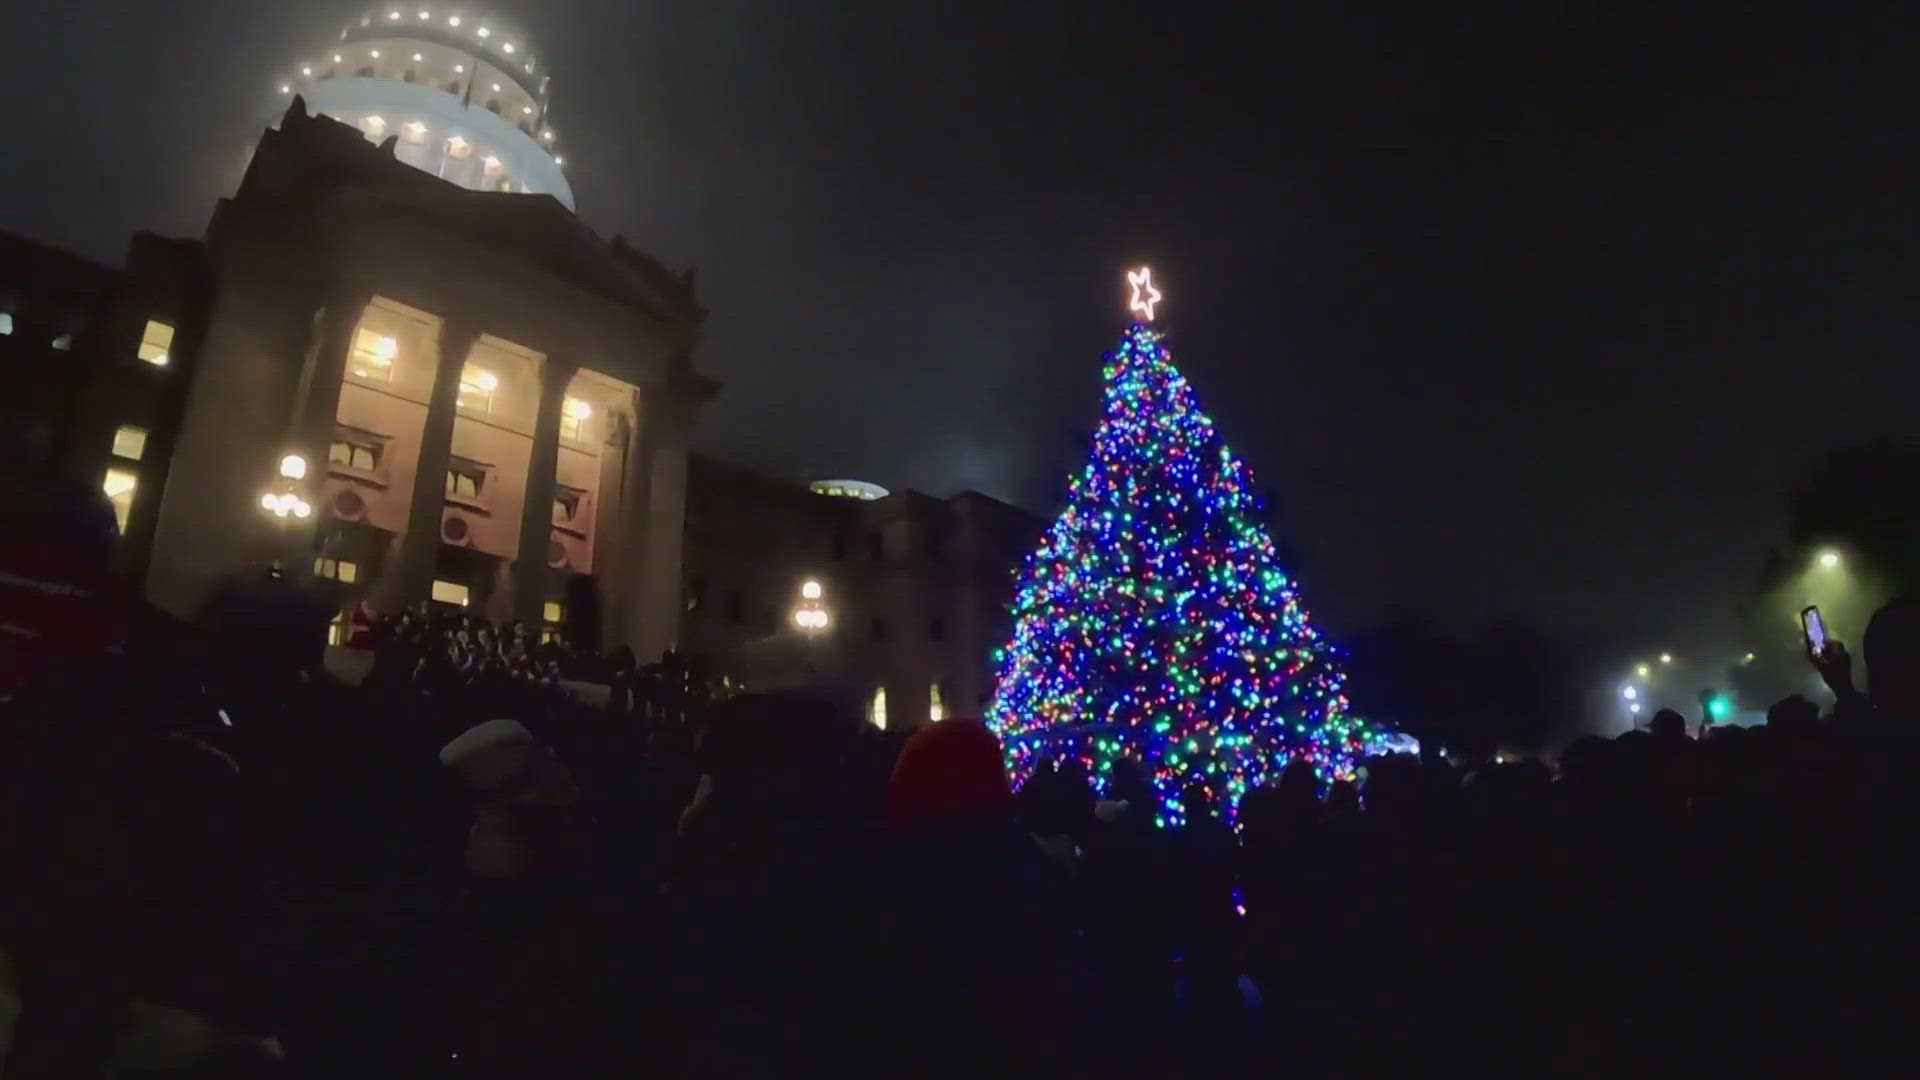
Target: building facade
[(899, 598), (423, 392)]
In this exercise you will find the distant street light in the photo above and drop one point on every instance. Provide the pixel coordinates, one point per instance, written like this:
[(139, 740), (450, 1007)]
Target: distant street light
[(1829, 559), (1644, 670), (1666, 658), (810, 616), (1634, 708), (1629, 693)]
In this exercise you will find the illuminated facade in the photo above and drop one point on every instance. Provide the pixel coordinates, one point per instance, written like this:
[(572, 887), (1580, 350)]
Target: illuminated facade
[(418, 392), (911, 600), (462, 96)]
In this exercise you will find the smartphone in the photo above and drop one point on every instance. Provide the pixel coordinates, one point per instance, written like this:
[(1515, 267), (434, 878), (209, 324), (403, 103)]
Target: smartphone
[(1815, 630)]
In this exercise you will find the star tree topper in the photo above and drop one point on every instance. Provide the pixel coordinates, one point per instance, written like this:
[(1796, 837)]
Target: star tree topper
[(1144, 294)]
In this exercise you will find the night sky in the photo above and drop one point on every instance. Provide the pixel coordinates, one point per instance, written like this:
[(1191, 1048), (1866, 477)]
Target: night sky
[(1536, 312)]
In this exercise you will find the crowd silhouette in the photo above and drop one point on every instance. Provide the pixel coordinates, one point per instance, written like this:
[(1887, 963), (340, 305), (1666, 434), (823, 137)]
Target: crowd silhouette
[(222, 862)]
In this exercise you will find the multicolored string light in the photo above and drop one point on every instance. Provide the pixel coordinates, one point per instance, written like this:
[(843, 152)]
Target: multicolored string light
[(1154, 620)]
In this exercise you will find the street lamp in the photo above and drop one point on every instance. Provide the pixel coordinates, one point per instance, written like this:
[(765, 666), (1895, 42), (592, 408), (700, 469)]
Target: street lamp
[(1629, 693), (1666, 658), (1829, 559), (1643, 670), (811, 615)]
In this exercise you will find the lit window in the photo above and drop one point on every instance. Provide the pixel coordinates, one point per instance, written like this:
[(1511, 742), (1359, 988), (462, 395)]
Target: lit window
[(353, 454), (416, 132), (573, 419), (373, 355), (458, 147), (337, 629), (64, 342), (340, 570), (936, 704), (877, 708), (119, 484), (476, 388), (450, 592), (6, 322), (464, 480), (155, 340), (553, 611), (374, 126), (129, 442), (491, 163)]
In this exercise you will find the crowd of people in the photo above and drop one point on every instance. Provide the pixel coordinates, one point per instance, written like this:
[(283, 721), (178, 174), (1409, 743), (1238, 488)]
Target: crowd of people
[(251, 869)]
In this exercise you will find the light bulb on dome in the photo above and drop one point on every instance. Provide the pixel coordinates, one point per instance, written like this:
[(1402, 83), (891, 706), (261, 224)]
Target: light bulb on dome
[(285, 89), (425, 15), (306, 71), (453, 20), (375, 53), (337, 58), (507, 47), (393, 16), (484, 32), (460, 69)]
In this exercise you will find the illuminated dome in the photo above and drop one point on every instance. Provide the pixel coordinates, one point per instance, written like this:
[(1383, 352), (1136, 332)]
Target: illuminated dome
[(849, 489), (463, 95)]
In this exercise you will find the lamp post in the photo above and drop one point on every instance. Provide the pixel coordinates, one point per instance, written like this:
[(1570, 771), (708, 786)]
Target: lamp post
[(810, 615)]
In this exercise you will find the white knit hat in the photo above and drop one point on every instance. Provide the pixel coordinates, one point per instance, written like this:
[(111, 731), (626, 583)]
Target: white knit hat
[(480, 736)]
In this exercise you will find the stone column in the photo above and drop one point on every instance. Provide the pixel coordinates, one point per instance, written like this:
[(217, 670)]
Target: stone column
[(410, 580), (654, 507), (530, 573), (609, 509), (316, 408)]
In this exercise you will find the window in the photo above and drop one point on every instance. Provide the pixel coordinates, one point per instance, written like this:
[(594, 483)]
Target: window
[(464, 479), (879, 628), (566, 503), (6, 323), (353, 453), (64, 342), (339, 570), (337, 629), (477, 385), (936, 704), (573, 419), (877, 708), (155, 340), (458, 147), (416, 132), (449, 592), (936, 629), (876, 546), (553, 611), (119, 484), (129, 442), (373, 355)]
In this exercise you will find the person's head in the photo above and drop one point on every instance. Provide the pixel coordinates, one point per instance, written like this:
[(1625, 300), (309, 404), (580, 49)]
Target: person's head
[(1667, 724), (1196, 803), (1891, 650), (948, 773), (1793, 713)]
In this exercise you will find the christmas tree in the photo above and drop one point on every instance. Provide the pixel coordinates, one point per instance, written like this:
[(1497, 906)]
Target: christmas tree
[(1154, 620)]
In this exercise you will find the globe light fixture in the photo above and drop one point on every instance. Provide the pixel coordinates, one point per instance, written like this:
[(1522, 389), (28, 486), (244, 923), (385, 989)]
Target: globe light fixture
[(1829, 560), (1666, 658), (1629, 693), (293, 467), (810, 590)]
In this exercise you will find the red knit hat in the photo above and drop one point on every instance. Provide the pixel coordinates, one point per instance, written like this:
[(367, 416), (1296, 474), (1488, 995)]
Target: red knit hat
[(949, 771)]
